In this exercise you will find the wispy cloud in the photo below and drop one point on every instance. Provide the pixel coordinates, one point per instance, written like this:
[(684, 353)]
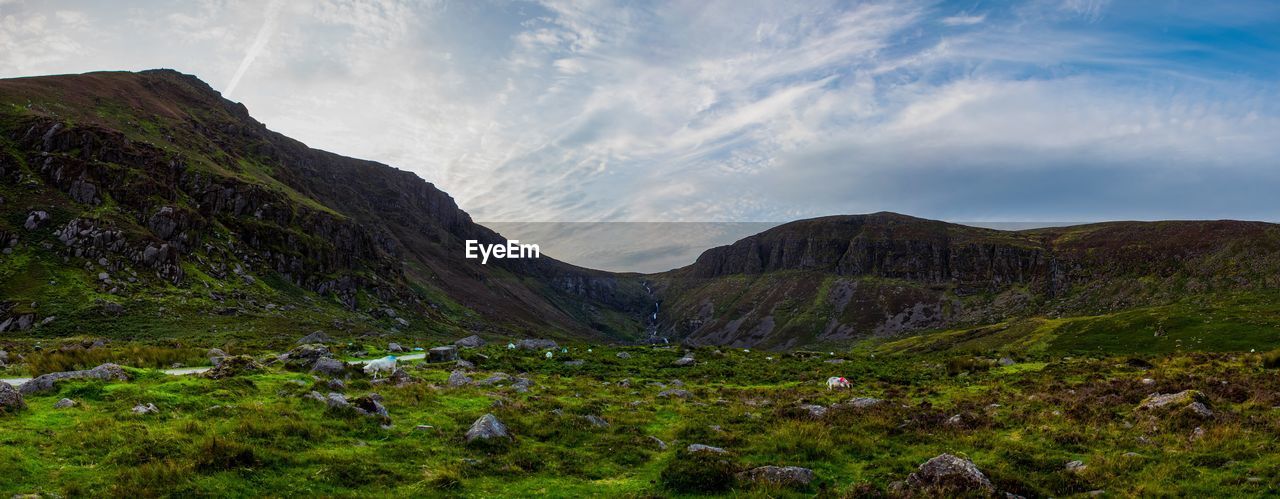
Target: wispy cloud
[(739, 110), (269, 14)]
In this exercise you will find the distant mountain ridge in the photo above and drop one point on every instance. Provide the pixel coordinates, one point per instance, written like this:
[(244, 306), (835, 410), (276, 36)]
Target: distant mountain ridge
[(883, 274)]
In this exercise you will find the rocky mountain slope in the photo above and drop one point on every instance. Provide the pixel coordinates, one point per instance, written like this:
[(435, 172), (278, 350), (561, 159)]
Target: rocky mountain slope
[(881, 275), (149, 195), (144, 205)]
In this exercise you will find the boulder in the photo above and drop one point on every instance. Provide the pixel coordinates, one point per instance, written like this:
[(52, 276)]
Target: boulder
[(144, 409), (574, 363), (336, 401), (1005, 361), (536, 344), (677, 393), (951, 475), (398, 377), (458, 378), (216, 355), (521, 385), (624, 355), (64, 404), (329, 367), (236, 365), (443, 354), (315, 337), (395, 348), (45, 383), (494, 379), (472, 341), (687, 360), (815, 411), (1193, 402), (303, 357), (463, 364), (10, 399), (862, 402), (782, 476), (371, 405), (658, 442), (487, 428)]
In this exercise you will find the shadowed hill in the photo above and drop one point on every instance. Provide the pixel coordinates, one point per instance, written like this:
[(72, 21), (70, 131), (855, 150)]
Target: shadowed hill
[(155, 171)]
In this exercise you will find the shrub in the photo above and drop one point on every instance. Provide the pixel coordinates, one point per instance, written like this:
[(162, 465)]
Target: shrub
[(699, 472), (1271, 360)]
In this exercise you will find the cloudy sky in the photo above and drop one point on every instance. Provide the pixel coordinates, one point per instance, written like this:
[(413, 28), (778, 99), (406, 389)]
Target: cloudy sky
[(599, 110)]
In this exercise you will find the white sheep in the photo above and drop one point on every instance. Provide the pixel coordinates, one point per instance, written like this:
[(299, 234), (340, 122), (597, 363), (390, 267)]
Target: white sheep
[(549, 355), (376, 366), (837, 382)]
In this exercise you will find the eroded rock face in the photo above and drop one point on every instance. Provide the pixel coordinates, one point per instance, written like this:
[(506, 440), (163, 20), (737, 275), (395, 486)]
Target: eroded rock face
[(10, 399), (783, 476), (47, 382), (472, 341), (948, 474), (488, 427)]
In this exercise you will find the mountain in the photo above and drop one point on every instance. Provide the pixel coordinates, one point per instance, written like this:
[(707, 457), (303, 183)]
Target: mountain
[(844, 278), (148, 196), (146, 206)]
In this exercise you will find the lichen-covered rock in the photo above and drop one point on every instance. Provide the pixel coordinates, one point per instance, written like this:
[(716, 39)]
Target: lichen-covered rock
[(236, 365), (782, 476), (64, 404), (948, 475), (488, 427), (303, 357), (693, 448), (1192, 402), (144, 409), (677, 393), (10, 399), (395, 348), (47, 382)]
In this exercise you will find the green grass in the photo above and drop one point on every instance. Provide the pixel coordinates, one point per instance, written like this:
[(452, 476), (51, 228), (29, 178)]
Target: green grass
[(256, 435)]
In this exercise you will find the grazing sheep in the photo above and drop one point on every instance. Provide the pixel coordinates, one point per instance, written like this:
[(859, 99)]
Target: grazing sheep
[(549, 355), (387, 364), (511, 346), (837, 382)]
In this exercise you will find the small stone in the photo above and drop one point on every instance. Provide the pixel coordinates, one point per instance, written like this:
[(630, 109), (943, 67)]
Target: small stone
[(1075, 466), (623, 355), (692, 448), (143, 409)]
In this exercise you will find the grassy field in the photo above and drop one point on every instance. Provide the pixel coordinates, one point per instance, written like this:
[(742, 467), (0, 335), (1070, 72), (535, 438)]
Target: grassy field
[(1020, 422)]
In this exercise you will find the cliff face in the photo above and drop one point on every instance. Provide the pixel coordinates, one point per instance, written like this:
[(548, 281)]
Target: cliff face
[(156, 172), (848, 277)]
